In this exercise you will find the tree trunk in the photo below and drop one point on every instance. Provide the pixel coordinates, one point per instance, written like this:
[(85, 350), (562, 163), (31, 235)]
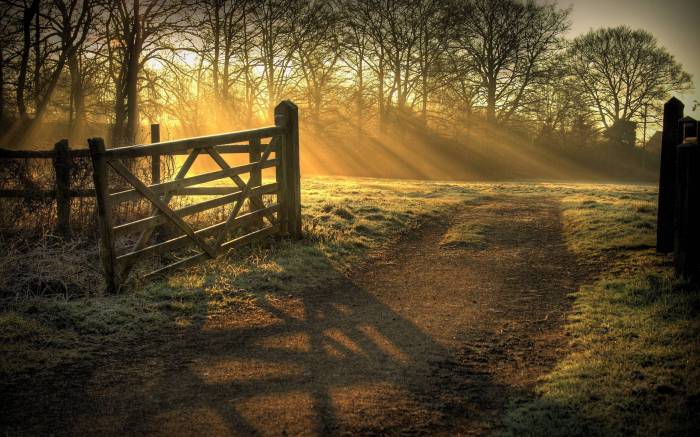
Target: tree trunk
[(24, 63), (491, 102), (217, 50), (77, 122), (37, 59), (360, 99), (380, 91), (2, 86), (132, 80)]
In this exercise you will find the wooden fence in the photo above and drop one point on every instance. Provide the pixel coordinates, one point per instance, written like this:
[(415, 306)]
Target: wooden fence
[(678, 224), (63, 160), (283, 216)]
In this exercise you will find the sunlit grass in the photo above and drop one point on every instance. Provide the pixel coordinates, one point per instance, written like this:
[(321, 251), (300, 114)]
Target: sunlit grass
[(634, 332), (465, 236), (633, 365), (343, 220)]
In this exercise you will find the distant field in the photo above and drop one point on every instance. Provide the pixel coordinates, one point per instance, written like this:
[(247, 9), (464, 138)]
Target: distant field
[(632, 366)]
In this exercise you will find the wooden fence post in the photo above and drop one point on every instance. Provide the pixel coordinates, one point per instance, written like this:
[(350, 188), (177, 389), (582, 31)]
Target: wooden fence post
[(62, 166), (670, 139), (254, 155), (287, 115), (104, 211), (687, 212), (155, 158)]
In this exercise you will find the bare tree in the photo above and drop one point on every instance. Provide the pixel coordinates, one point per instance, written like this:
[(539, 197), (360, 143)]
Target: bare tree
[(137, 32), (621, 70), (509, 45), (274, 47), (314, 36)]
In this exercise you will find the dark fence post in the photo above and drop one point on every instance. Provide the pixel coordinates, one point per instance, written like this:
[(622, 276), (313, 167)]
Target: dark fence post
[(687, 212), (104, 211), (671, 138), (155, 158), (254, 155), (62, 167), (279, 174), (287, 115)]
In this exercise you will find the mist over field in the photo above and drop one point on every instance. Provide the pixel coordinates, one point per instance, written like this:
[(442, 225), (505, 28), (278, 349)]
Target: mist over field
[(467, 90)]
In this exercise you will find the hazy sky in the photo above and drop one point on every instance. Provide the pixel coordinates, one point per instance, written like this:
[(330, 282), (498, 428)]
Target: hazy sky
[(675, 23)]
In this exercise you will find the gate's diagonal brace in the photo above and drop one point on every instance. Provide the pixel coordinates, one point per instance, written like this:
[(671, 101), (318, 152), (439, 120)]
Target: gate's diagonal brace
[(245, 193), (158, 203), (146, 234), (237, 179)]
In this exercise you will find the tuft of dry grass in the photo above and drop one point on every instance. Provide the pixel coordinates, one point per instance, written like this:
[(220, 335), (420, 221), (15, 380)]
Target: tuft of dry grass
[(49, 266), (465, 236)]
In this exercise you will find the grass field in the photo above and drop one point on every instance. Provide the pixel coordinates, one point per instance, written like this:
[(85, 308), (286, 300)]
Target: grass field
[(632, 366)]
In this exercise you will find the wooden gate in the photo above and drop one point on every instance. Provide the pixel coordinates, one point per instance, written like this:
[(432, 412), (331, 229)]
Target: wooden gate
[(281, 217)]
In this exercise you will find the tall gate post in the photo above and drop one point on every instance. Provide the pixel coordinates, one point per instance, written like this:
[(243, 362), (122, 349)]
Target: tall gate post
[(287, 116), (671, 138), (101, 181), (62, 167), (687, 213)]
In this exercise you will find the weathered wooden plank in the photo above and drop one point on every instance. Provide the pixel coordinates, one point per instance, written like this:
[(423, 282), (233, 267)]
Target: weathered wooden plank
[(39, 194), (29, 194), (237, 242), (62, 167), (155, 158), (206, 191), (104, 211), (165, 187), (85, 153), (281, 193), (187, 191), (158, 203), (672, 136), (156, 220), (255, 174), (287, 117), (169, 147), (228, 148), (686, 248), (147, 232), (40, 154), (182, 240)]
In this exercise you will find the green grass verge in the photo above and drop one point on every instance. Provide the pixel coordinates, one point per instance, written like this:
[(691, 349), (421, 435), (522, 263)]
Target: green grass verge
[(343, 219), (635, 365)]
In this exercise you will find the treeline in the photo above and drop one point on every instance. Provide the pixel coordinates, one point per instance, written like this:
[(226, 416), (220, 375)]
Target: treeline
[(454, 67)]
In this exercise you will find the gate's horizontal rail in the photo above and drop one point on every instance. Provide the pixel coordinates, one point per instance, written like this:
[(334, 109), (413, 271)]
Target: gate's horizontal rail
[(236, 242), (89, 192), (44, 194), (156, 220), (85, 153), (171, 147), (166, 187), (41, 154), (230, 148), (182, 240)]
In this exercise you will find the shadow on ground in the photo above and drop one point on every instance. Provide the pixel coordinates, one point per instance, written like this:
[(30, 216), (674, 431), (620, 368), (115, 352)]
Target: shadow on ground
[(422, 340)]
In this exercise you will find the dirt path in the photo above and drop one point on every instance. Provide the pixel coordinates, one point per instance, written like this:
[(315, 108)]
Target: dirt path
[(422, 340)]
